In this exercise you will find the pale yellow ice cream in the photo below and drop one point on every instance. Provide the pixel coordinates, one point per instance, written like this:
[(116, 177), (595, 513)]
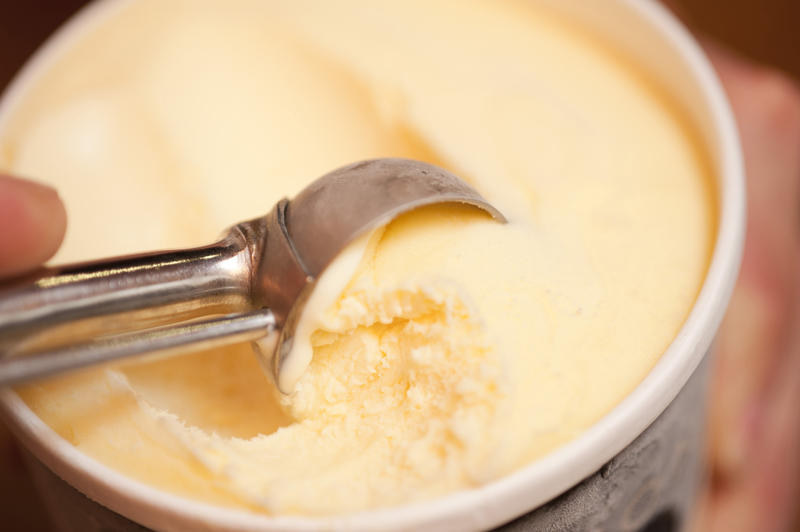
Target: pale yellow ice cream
[(448, 350)]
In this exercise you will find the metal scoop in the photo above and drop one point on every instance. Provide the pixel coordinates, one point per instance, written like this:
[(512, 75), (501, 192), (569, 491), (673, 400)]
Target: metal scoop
[(251, 285)]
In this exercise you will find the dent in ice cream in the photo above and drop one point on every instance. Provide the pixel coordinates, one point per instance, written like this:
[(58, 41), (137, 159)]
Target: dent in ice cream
[(443, 351)]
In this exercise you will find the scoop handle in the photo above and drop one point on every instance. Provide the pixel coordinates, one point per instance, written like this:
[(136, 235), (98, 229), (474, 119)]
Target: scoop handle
[(252, 326), (59, 309)]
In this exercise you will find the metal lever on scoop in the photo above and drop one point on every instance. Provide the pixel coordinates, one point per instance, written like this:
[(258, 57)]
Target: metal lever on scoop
[(73, 316), (250, 286)]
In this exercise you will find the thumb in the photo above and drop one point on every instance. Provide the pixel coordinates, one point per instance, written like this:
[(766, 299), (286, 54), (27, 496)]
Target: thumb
[(32, 224)]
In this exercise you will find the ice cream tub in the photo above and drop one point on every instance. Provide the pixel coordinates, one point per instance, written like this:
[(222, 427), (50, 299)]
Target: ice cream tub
[(637, 468)]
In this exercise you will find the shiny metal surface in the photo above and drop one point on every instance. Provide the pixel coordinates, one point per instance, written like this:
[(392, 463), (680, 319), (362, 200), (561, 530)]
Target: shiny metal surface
[(170, 340), (258, 276), (347, 202)]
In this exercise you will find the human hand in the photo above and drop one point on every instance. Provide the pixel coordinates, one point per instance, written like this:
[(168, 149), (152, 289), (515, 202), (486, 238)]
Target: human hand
[(32, 225), (754, 446)]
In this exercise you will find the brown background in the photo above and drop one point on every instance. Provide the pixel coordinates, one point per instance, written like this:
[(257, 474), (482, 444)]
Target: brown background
[(765, 30)]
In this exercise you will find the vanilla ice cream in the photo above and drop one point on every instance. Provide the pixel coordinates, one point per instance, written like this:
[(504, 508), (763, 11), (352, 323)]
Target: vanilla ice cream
[(442, 351)]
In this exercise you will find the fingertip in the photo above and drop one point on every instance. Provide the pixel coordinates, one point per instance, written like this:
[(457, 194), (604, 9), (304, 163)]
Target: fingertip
[(33, 222)]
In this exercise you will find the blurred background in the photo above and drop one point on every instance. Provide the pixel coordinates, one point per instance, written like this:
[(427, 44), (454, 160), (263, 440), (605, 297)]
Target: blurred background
[(767, 31)]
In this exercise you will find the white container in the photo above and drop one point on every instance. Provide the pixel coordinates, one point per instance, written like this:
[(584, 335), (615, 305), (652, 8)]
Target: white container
[(628, 493)]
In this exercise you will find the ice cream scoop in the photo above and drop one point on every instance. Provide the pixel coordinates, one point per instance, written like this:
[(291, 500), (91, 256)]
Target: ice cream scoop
[(251, 285)]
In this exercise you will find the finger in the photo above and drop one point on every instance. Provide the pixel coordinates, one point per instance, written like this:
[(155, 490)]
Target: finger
[(755, 436), (762, 495), (763, 309), (32, 225), (766, 104)]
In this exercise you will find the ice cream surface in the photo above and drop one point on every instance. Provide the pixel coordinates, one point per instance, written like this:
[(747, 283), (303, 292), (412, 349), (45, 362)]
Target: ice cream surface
[(446, 350)]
